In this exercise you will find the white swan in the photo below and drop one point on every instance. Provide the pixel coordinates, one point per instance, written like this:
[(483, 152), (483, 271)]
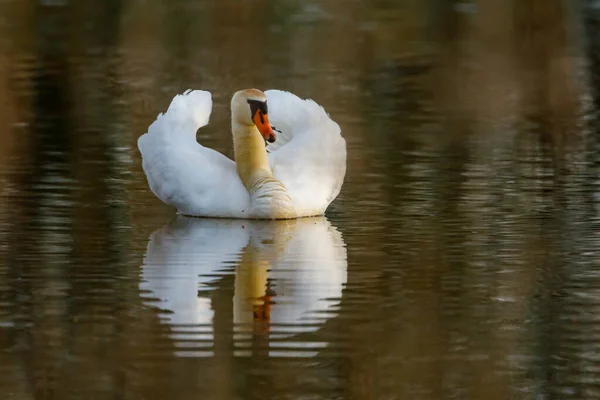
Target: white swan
[(302, 263), (297, 174)]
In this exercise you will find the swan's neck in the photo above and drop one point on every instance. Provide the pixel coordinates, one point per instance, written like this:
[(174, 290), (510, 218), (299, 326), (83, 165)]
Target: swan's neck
[(269, 197), (250, 156)]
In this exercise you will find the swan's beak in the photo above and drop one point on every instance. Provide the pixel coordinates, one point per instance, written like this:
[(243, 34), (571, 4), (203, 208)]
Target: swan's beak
[(264, 127)]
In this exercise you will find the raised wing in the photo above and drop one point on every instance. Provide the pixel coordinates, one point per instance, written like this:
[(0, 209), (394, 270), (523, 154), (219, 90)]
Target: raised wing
[(195, 179), (309, 155)]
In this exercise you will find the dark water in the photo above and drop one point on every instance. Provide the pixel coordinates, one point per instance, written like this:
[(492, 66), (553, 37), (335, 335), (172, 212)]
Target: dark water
[(460, 261)]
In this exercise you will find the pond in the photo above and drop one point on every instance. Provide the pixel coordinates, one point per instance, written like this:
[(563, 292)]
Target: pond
[(460, 260)]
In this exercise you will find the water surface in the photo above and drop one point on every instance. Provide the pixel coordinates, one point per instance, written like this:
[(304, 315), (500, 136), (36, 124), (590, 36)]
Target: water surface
[(460, 260)]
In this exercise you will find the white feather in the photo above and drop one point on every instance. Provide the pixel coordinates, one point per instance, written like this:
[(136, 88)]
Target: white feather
[(195, 179), (308, 157), (310, 160)]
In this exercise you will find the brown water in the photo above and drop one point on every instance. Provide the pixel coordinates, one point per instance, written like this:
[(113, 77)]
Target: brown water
[(460, 261)]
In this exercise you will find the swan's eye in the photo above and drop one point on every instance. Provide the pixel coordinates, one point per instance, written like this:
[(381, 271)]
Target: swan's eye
[(257, 105)]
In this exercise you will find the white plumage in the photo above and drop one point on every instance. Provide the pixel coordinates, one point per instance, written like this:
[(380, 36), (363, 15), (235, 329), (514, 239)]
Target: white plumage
[(308, 158)]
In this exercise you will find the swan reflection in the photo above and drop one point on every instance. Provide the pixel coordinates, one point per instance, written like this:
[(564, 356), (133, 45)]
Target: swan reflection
[(288, 278)]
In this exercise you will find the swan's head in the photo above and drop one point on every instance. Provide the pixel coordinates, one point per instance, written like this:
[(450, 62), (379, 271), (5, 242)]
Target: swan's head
[(249, 107)]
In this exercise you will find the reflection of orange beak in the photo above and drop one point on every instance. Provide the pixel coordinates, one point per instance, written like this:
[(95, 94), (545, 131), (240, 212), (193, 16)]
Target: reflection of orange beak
[(264, 127)]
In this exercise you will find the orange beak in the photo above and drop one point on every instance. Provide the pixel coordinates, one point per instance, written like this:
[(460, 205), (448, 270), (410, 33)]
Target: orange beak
[(264, 127)]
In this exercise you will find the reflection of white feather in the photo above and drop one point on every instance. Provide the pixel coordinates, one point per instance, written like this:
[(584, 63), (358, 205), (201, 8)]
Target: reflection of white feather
[(309, 276), (179, 258), (305, 259)]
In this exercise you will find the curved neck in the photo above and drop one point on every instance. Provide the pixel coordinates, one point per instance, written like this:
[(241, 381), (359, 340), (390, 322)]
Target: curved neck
[(250, 155)]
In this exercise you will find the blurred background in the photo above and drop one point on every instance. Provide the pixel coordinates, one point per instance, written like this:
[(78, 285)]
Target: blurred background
[(461, 259)]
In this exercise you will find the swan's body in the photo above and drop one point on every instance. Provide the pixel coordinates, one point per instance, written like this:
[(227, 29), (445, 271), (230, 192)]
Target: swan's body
[(300, 175)]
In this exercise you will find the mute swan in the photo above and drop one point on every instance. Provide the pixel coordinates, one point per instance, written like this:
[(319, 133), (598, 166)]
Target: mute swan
[(297, 173)]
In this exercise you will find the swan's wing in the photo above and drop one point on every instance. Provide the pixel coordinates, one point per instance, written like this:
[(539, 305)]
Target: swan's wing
[(195, 179), (309, 155)]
